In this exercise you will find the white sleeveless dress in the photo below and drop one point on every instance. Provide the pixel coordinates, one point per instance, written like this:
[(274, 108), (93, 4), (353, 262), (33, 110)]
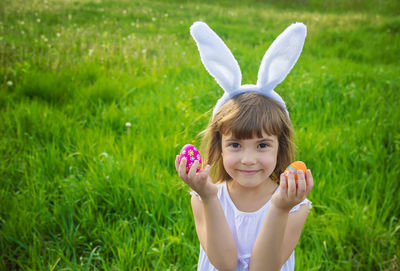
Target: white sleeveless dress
[(245, 228)]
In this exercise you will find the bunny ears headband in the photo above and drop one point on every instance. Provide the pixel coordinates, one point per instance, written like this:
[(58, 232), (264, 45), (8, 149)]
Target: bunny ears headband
[(275, 65)]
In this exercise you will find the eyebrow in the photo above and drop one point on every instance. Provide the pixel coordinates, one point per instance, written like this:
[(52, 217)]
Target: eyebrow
[(266, 139)]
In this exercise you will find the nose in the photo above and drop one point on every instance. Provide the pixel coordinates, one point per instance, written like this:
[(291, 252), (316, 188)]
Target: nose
[(248, 158)]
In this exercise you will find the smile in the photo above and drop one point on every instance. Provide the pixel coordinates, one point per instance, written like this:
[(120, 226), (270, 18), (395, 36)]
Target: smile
[(248, 172)]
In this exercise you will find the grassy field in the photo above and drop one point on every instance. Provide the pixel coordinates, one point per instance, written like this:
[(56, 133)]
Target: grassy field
[(81, 189)]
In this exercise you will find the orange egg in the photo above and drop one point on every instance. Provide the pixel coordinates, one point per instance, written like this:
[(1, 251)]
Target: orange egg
[(295, 166)]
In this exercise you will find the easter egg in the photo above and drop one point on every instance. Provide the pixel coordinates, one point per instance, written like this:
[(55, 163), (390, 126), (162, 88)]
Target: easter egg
[(191, 154), (295, 166)]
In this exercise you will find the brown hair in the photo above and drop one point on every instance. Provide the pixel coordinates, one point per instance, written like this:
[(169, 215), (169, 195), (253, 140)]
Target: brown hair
[(245, 116)]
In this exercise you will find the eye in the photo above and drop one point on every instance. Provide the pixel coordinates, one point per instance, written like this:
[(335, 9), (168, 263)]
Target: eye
[(263, 146), (234, 145)]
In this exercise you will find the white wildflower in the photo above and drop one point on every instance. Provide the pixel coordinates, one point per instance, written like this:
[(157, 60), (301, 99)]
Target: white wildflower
[(128, 124), (44, 38)]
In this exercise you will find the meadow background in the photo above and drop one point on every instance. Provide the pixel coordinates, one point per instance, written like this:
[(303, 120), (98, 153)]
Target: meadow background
[(81, 189)]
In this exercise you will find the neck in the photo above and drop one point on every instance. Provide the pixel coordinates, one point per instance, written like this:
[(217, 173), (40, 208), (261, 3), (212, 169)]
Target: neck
[(251, 199), (264, 189)]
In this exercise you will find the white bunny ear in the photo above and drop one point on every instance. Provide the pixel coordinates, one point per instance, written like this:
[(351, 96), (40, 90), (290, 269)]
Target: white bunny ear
[(216, 57), (281, 56)]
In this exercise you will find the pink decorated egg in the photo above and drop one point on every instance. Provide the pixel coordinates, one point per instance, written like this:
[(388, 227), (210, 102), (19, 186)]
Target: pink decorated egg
[(191, 154)]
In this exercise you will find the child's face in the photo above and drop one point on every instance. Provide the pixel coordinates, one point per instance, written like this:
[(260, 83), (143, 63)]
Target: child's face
[(250, 161)]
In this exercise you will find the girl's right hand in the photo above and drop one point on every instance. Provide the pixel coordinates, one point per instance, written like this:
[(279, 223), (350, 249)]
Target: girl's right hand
[(200, 182)]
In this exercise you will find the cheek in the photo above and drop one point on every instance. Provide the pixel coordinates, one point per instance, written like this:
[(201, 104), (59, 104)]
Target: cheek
[(275, 160), (228, 161), (271, 160)]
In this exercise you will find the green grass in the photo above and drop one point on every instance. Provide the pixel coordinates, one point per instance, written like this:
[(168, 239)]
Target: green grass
[(79, 190)]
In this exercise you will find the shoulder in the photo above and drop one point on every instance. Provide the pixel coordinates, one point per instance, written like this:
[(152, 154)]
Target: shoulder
[(220, 191), (197, 206), (304, 205), (197, 210), (298, 214), (195, 202), (297, 218)]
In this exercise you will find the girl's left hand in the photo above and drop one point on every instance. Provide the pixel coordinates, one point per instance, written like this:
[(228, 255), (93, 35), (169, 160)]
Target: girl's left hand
[(289, 196)]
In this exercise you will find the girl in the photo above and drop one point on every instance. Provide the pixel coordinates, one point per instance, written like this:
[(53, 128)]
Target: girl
[(247, 215)]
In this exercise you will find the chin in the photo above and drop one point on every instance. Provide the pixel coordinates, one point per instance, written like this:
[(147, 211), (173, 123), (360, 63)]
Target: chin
[(250, 183)]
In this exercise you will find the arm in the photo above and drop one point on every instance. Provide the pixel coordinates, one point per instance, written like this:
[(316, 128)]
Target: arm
[(280, 232), (214, 233), (211, 225)]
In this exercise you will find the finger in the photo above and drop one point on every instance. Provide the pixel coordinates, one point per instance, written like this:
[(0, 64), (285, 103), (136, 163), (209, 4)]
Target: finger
[(283, 184), (177, 162), (192, 170), (310, 181), (301, 181), (182, 169), (205, 171), (291, 186), (203, 174)]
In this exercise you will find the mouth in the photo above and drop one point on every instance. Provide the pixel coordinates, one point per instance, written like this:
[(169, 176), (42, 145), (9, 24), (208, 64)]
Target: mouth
[(249, 172)]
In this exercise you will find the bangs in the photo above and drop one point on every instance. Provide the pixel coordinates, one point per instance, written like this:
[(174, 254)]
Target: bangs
[(246, 116), (249, 120)]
